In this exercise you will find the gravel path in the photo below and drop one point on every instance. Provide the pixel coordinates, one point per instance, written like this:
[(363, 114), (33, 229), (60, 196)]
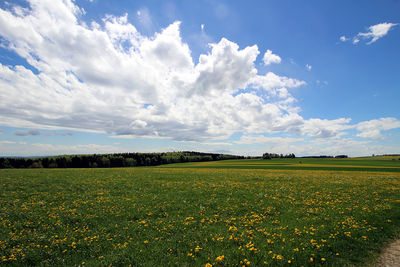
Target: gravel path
[(390, 256)]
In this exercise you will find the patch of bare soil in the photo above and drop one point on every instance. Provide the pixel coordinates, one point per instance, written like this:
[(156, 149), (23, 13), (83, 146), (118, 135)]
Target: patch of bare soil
[(390, 256)]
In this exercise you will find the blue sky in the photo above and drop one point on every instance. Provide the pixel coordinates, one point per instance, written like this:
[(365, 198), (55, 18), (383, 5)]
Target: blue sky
[(239, 77)]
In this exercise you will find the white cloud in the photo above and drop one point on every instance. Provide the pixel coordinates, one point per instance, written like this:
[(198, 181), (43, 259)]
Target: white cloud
[(107, 77), (376, 31), (202, 27), (111, 73), (308, 67), (23, 149), (373, 129), (270, 81), (254, 145), (257, 145), (6, 142), (325, 128), (337, 146), (270, 58), (260, 139), (75, 149), (216, 144)]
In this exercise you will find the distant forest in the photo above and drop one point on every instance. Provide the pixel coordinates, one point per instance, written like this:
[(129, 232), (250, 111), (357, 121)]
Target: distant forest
[(292, 156), (277, 156), (112, 160)]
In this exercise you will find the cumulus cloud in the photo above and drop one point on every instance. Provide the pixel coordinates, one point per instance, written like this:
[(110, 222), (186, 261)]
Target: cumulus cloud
[(107, 77), (321, 128), (308, 67), (373, 129), (270, 58), (343, 38)]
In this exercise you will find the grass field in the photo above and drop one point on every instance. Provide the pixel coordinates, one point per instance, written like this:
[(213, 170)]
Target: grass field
[(387, 164), (219, 213)]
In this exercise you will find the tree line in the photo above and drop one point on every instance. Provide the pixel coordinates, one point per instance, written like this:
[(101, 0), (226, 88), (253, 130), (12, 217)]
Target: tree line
[(326, 157), (292, 156), (112, 160), (278, 156)]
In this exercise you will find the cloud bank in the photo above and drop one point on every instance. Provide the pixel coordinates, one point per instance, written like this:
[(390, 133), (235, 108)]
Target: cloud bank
[(107, 77)]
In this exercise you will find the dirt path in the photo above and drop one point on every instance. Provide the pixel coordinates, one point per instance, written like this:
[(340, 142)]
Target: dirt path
[(390, 256)]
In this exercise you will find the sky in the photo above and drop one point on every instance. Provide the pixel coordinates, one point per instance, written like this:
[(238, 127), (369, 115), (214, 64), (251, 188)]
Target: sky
[(236, 77)]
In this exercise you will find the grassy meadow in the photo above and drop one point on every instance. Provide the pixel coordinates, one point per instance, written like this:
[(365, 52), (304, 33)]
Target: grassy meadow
[(244, 212), (380, 164)]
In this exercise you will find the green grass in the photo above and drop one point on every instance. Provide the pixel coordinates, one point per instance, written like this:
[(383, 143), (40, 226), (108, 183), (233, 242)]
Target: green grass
[(350, 164), (191, 216)]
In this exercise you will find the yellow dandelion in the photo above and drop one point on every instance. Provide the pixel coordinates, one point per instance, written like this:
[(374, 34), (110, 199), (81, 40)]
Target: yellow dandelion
[(220, 258)]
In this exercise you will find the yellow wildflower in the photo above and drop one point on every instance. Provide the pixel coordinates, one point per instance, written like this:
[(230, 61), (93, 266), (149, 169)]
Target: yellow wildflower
[(220, 258)]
